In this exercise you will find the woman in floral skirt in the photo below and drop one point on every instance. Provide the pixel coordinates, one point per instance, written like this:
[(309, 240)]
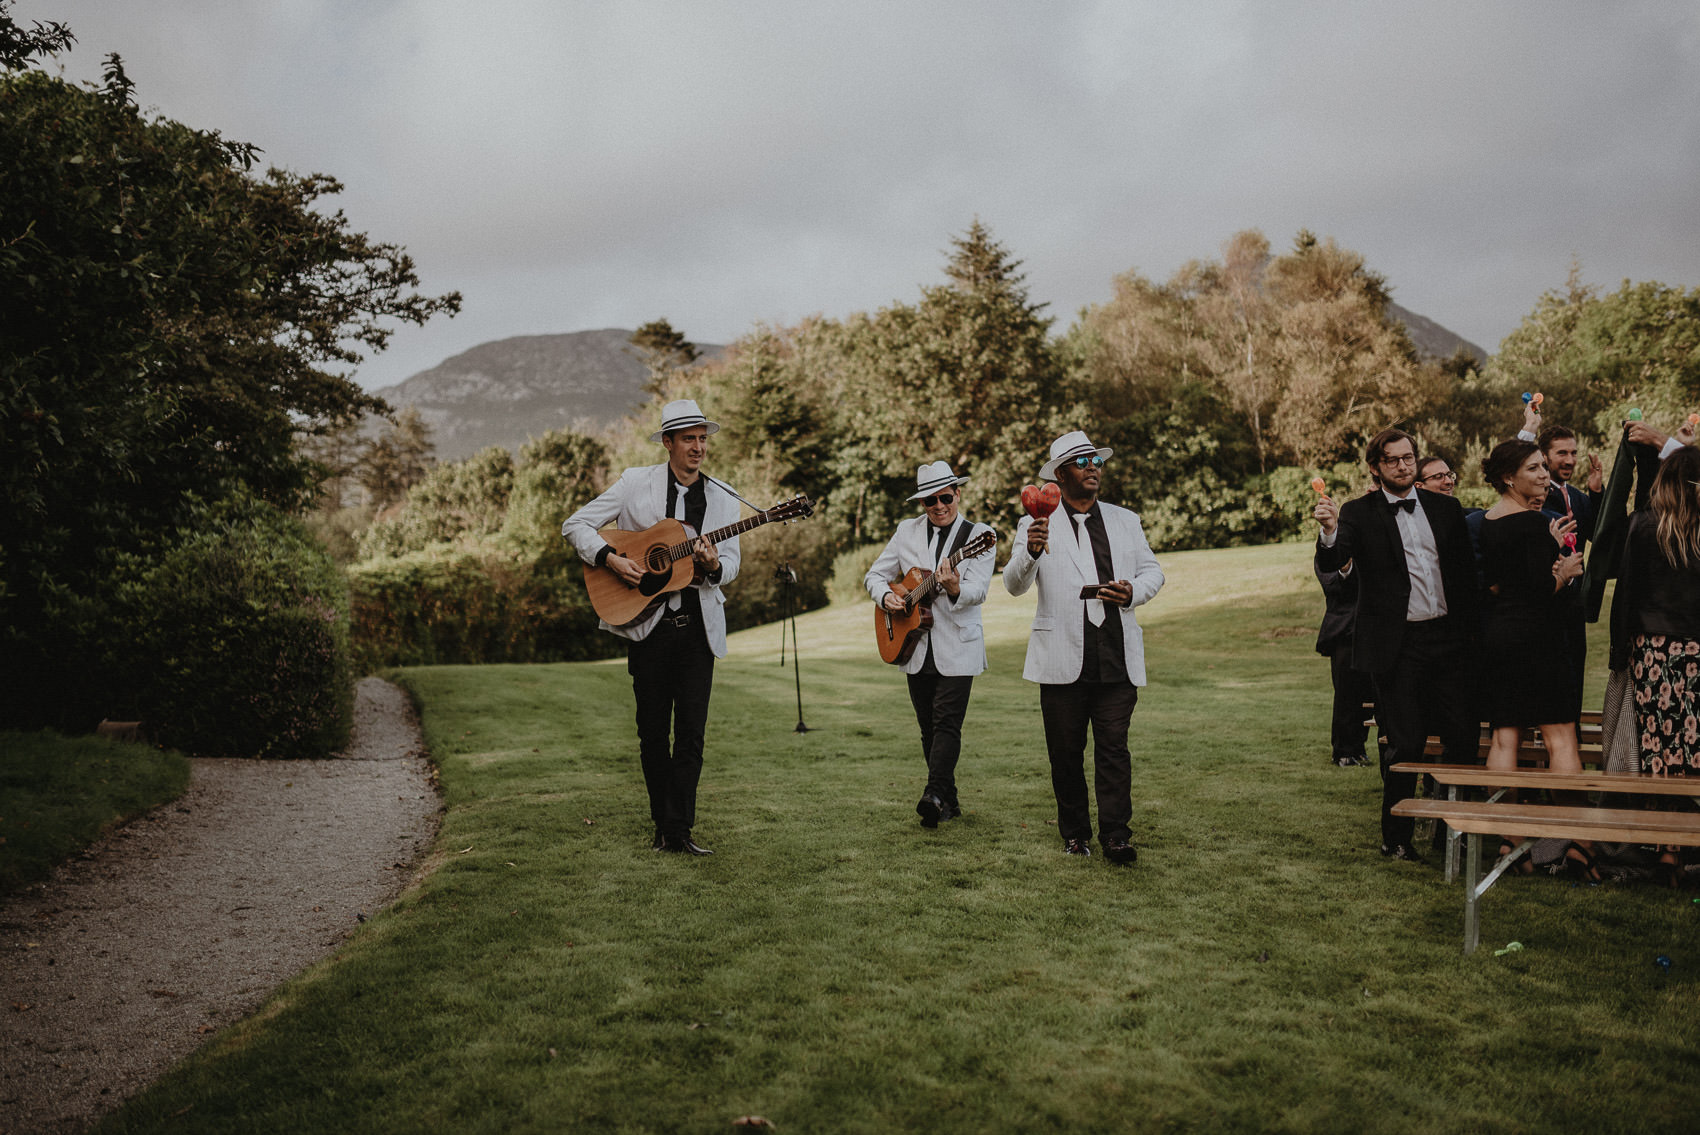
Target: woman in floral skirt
[(1656, 627)]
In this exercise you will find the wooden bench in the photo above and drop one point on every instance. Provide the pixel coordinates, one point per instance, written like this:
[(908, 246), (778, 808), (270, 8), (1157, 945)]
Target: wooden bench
[(1529, 822)]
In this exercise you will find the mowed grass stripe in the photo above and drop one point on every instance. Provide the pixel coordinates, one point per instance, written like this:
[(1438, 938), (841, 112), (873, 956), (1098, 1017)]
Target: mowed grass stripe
[(834, 967)]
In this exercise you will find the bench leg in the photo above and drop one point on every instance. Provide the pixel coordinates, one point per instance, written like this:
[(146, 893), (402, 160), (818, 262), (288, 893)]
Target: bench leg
[(1472, 872), (1451, 838), (1473, 891)]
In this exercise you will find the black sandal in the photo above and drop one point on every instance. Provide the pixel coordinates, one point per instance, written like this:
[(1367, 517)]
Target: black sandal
[(1579, 865)]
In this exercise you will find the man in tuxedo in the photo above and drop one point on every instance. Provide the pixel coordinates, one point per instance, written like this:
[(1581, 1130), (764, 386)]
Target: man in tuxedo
[(941, 671), (672, 649), (1093, 566), (1416, 613)]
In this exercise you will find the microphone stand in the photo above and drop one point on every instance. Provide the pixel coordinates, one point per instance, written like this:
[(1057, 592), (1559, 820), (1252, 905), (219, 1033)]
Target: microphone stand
[(787, 579)]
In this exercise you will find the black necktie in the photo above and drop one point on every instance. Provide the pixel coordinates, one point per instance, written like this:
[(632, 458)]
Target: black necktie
[(940, 533), (1409, 504)]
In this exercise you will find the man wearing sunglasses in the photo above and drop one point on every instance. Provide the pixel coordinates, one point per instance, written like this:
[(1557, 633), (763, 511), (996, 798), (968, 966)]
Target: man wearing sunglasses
[(941, 671), (1411, 552), (1093, 566)]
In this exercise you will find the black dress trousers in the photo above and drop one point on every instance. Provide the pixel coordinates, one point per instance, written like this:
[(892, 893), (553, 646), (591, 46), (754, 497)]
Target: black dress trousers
[(672, 677)]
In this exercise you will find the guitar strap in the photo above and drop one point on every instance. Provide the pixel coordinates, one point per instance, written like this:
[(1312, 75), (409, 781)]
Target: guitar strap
[(964, 527)]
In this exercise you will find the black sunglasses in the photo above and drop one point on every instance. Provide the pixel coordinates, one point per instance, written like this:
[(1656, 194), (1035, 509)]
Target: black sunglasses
[(942, 498)]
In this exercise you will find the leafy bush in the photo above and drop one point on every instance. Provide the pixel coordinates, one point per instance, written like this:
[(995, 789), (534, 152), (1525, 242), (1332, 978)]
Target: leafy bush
[(235, 638), (848, 571), (470, 605)]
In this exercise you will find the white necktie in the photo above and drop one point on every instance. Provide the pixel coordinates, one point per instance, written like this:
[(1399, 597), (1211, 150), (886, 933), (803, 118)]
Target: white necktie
[(1089, 564)]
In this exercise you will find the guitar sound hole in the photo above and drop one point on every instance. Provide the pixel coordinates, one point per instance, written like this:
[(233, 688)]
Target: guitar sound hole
[(656, 560)]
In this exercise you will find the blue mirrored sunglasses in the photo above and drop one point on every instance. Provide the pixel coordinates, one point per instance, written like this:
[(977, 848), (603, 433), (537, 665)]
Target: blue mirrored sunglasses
[(1094, 460)]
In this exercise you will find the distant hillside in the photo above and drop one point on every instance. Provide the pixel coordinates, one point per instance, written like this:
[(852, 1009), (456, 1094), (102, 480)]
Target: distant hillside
[(1433, 340), (507, 391)]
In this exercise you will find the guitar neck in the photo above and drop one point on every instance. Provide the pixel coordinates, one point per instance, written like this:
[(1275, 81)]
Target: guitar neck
[(680, 551), (931, 583)]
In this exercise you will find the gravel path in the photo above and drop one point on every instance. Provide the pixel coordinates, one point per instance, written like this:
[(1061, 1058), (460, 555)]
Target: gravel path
[(183, 921)]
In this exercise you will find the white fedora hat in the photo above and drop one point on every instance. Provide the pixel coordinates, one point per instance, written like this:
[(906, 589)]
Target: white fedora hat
[(1066, 448), (929, 479), (680, 415)]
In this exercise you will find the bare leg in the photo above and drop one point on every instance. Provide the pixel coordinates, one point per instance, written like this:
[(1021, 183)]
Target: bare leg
[(1502, 754)]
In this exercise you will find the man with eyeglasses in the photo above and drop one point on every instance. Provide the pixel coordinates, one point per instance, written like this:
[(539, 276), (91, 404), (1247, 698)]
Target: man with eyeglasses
[(1093, 567), (1436, 476), (1416, 613), (941, 671)]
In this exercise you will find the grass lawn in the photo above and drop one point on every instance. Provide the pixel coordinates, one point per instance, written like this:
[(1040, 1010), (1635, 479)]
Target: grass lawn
[(60, 794), (835, 967)]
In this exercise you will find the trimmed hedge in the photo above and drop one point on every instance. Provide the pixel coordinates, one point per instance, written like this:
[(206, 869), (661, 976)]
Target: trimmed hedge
[(445, 606), (232, 641)]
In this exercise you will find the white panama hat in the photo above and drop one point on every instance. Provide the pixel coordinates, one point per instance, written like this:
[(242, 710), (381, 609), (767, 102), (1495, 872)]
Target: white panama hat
[(680, 415), (1066, 448), (929, 479)]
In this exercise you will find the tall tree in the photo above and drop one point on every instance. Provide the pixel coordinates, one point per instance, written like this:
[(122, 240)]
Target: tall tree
[(664, 352), (167, 319), (967, 375)]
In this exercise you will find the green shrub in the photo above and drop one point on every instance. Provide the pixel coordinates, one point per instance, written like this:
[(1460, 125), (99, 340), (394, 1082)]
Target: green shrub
[(232, 640), (445, 605), (848, 571)]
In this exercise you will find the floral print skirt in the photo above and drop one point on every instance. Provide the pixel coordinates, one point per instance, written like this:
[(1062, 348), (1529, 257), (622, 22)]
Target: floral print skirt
[(1666, 673)]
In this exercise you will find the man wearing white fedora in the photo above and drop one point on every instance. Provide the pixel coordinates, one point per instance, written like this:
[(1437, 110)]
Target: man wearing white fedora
[(672, 650), (942, 668), (1086, 651)]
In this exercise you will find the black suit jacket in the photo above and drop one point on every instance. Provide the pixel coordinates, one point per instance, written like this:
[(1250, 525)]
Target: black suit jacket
[(1340, 596), (1369, 536)]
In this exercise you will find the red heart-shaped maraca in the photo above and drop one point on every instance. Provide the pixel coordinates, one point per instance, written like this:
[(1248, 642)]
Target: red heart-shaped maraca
[(1040, 501)]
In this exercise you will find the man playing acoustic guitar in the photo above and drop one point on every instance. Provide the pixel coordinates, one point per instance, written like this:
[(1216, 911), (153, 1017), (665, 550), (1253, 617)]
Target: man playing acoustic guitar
[(941, 670), (673, 647)]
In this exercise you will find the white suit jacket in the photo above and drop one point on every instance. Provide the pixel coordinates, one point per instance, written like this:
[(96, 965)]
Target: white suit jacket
[(636, 501), (957, 644), (1056, 645)]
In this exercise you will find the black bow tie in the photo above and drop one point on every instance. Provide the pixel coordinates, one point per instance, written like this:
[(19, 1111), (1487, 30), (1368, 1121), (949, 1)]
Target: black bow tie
[(1409, 504)]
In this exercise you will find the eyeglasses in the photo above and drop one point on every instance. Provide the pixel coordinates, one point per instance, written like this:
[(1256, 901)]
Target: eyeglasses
[(941, 498), (1095, 461), (1408, 459), (1449, 475)]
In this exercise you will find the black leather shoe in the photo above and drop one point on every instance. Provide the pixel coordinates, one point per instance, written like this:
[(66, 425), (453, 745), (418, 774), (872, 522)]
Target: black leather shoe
[(683, 845), (1077, 847), (1351, 762), (659, 843), (1120, 851), (931, 810), (1400, 851)]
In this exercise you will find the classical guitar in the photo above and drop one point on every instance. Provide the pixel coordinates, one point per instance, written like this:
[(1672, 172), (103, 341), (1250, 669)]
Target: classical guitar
[(898, 633), (664, 550)]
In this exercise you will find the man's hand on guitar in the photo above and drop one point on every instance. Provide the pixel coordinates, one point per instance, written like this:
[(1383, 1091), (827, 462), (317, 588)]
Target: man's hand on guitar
[(948, 578), (707, 557), (892, 603), (628, 570), (1038, 536)]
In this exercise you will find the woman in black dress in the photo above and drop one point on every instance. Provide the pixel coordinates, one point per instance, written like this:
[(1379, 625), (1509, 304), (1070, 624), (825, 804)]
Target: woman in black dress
[(1656, 626), (1527, 564)]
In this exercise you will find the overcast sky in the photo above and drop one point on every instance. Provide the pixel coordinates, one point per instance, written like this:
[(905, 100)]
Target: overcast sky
[(570, 166)]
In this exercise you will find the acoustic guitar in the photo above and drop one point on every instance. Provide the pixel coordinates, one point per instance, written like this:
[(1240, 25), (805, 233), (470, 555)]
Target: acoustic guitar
[(664, 550), (898, 633)]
